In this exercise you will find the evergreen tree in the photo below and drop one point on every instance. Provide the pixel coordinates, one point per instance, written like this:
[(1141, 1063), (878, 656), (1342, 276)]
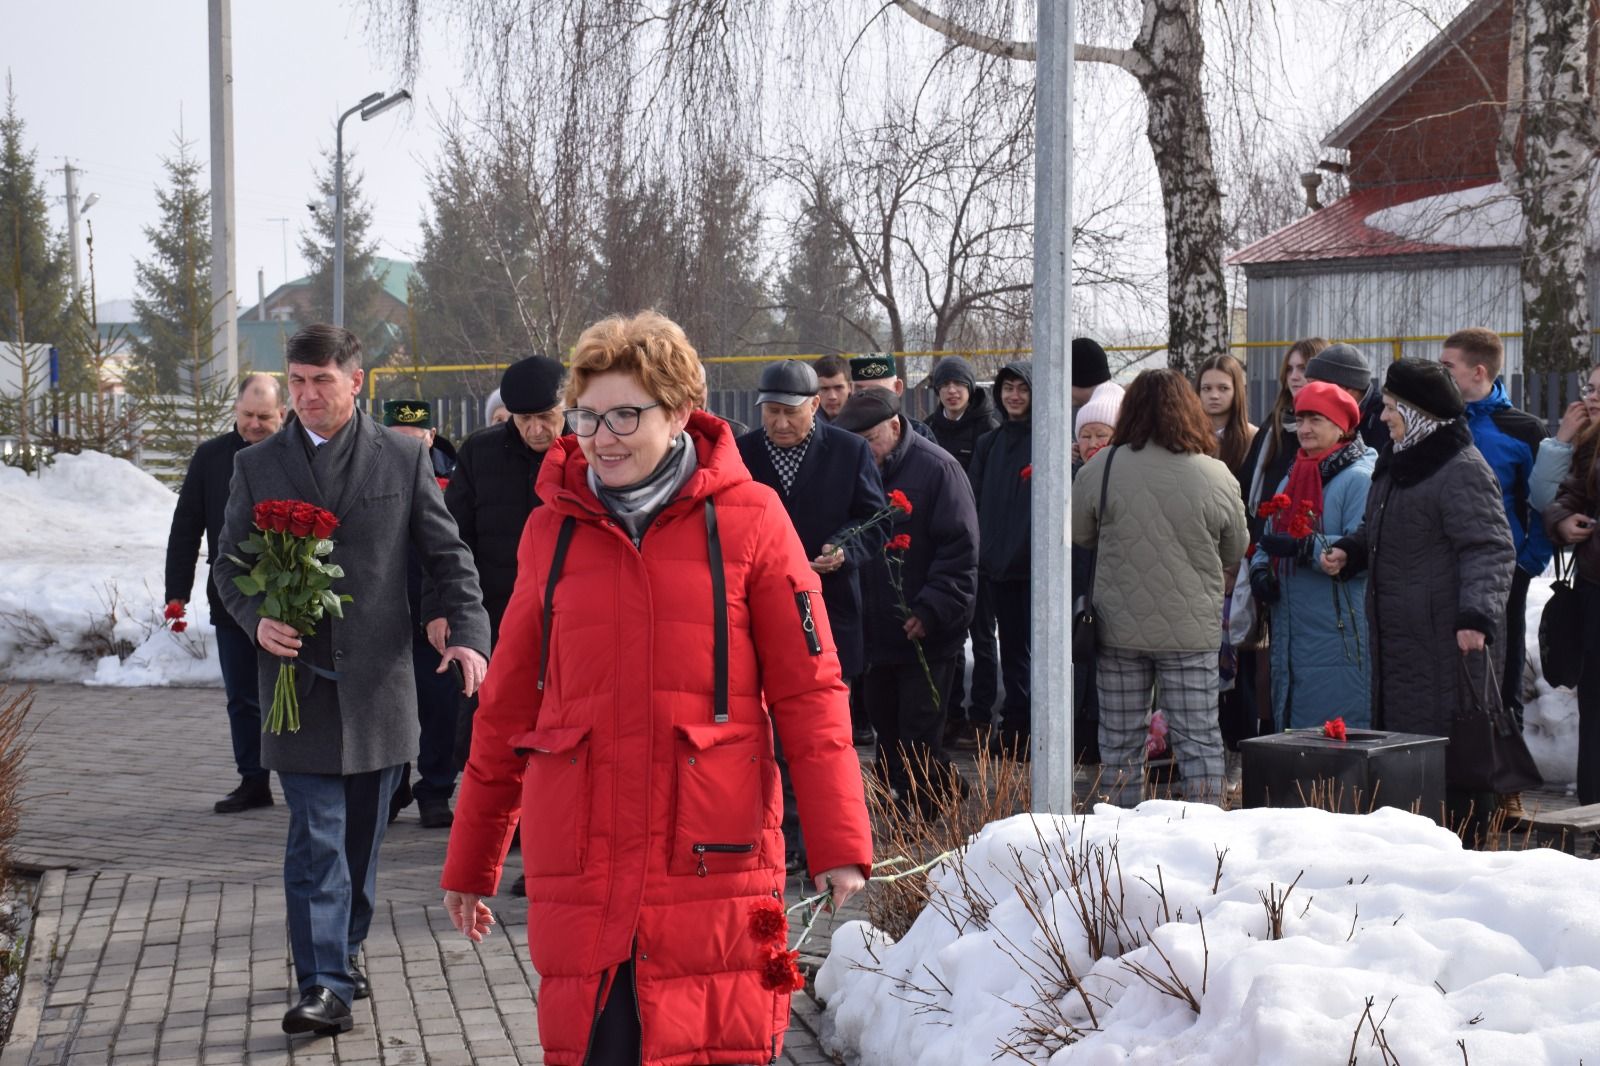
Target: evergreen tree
[(719, 294), (173, 301), (634, 255), (35, 268), (826, 308), (361, 287)]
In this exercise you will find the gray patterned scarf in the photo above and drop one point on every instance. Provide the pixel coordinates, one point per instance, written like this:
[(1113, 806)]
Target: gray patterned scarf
[(1419, 425), (636, 506)]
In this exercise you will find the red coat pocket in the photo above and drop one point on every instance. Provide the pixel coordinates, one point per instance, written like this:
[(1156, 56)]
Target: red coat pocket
[(720, 778), (555, 800)]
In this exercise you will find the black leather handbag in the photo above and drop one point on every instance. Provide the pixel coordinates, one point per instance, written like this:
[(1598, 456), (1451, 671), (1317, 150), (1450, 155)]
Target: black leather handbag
[(1487, 753), (1085, 627), (1561, 630)]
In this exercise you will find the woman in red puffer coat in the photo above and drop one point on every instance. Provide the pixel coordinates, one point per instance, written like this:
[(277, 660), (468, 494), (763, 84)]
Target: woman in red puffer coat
[(644, 775)]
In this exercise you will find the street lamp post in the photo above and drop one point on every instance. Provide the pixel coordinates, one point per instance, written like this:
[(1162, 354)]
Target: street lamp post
[(369, 108)]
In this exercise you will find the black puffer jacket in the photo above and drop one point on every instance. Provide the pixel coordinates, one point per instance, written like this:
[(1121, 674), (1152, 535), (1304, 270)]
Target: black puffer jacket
[(1005, 501), (1437, 544), (490, 496), (940, 572), (959, 436)]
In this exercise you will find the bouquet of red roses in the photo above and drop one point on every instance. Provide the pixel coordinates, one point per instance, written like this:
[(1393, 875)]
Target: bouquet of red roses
[(290, 545)]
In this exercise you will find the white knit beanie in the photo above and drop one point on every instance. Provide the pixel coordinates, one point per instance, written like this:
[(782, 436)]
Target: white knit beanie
[(1102, 407), (490, 405)]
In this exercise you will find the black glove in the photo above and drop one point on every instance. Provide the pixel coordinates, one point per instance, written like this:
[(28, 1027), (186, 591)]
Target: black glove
[(1264, 584), (1281, 545)]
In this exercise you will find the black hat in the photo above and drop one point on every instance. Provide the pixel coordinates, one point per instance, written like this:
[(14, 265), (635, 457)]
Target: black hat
[(1090, 367), (879, 366), (414, 413), (1021, 369), (866, 409), (791, 383), (531, 385), (1341, 365), (952, 368), (1425, 385)]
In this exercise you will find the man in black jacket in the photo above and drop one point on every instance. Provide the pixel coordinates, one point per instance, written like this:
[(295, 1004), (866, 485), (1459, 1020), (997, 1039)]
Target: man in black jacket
[(962, 415), (1002, 472), (257, 414), (828, 484), (917, 597)]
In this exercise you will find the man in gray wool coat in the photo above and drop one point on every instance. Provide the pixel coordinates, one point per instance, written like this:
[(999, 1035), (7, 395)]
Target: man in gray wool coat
[(358, 701)]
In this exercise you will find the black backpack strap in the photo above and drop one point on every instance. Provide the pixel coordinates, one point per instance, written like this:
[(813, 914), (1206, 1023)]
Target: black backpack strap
[(1100, 521), (563, 540), (719, 610)]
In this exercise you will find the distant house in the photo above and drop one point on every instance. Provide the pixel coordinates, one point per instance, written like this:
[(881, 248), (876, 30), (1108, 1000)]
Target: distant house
[(1427, 240), (285, 305)]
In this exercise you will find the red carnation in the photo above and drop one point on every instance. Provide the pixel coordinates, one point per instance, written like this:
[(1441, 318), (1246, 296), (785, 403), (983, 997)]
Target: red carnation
[(1027, 472), (174, 610), (779, 973), (768, 922), (179, 626), (1277, 504), (323, 526), (1334, 729), (1300, 527), (899, 502), (898, 543)]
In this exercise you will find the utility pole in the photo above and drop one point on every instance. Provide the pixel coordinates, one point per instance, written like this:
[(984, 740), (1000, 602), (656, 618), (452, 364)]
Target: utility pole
[(283, 231), (224, 275), (72, 232), (1053, 748)]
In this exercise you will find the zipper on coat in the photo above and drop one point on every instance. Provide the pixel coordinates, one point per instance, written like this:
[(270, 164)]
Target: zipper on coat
[(718, 849), (808, 622), (594, 1026)]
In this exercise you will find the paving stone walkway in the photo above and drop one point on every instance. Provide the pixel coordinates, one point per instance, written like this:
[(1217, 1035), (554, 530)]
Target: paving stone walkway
[(160, 935)]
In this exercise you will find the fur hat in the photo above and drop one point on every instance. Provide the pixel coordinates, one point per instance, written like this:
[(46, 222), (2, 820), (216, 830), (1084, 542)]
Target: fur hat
[(1331, 402), (1425, 385)]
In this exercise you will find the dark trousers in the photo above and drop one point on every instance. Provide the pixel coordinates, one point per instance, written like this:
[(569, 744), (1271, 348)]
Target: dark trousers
[(330, 869), (985, 668), (438, 700), (860, 720), (616, 1037), (794, 844), (1011, 602), (1516, 641), (1086, 713), (909, 719), (1238, 712), (237, 655), (1589, 696)]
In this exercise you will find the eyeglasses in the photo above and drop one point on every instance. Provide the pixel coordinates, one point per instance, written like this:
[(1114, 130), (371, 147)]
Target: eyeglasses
[(1588, 391), (620, 420)]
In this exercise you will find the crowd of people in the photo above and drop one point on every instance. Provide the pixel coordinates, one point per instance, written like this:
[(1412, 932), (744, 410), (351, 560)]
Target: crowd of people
[(684, 631)]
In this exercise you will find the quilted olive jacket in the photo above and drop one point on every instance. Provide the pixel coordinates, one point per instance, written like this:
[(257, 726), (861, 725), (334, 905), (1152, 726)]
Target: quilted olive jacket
[(1172, 524)]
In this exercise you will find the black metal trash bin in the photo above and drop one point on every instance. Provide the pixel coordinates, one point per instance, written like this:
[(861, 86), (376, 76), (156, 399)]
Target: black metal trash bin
[(1369, 769)]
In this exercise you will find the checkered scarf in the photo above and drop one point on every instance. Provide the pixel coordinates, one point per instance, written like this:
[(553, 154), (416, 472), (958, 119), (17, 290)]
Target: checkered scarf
[(786, 461)]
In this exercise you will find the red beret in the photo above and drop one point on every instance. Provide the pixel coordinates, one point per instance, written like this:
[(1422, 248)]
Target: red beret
[(1329, 401)]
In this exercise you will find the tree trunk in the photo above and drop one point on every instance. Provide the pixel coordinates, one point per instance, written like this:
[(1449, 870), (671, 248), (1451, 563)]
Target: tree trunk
[(1554, 186), (1179, 131)]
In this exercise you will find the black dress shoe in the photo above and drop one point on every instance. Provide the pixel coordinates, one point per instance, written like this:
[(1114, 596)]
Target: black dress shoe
[(363, 987), (319, 1011), (435, 813), (251, 793)]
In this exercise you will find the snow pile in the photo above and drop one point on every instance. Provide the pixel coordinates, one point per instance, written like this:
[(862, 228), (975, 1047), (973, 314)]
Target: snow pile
[(1486, 216), (83, 559), (1499, 950)]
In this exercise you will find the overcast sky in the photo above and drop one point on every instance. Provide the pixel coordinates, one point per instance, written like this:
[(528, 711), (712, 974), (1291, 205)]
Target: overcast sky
[(105, 83)]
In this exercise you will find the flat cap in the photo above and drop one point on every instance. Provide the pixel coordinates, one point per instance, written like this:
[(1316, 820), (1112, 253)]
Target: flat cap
[(791, 383), (866, 409)]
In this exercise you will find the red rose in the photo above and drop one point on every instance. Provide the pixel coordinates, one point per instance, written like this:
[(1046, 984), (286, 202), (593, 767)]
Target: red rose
[(899, 502), (898, 543), (262, 515), (323, 526), (779, 973), (1334, 729), (444, 483), (301, 519), (1027, 472), (769, 924), (174, 611), (279, 514), (179, 626)]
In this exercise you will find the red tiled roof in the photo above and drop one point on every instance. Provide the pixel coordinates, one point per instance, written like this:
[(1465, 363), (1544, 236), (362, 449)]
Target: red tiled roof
[(1340, 230)]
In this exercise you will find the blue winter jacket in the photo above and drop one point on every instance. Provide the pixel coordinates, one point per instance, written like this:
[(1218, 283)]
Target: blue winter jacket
[(1321, 661), (1509, 439)]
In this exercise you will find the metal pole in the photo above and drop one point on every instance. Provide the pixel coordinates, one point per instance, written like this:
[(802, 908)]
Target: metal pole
[(224, 277), (338, 218), (1052, 767), (72, 232)]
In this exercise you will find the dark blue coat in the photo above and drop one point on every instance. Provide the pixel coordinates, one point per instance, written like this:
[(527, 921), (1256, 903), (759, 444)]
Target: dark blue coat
[(940, 570), (836, 488), (201, 503)]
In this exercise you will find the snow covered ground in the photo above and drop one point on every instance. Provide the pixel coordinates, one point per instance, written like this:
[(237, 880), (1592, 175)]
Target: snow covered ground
[(1498, 950), (81, 567)]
